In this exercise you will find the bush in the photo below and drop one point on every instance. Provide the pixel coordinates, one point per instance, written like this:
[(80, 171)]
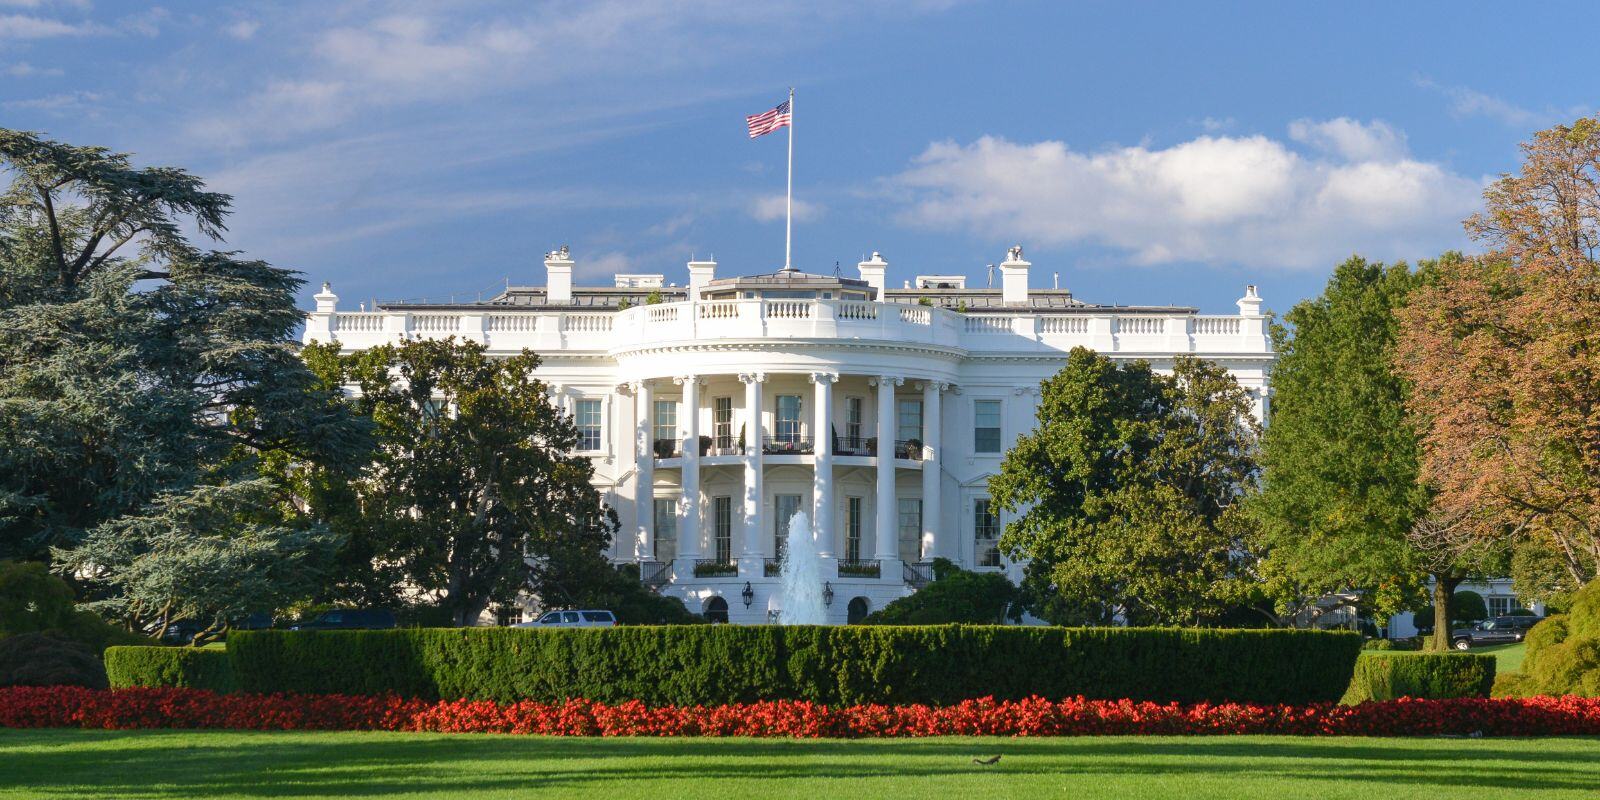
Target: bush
[(1430, 676), (34, 601), (1563, 651), (182, 667), (49, 659), (955, 595), (711, 665), (1465, 606)]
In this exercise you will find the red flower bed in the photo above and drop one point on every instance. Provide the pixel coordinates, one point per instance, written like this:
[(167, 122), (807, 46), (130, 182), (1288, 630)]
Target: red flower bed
[(71, 707)]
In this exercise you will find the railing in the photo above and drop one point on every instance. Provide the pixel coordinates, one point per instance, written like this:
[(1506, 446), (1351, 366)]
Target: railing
[(726, 446), (1141, 325), (1212, 326), (358, 323), (788, 309), (662, 313), (655, 574), (1063, 325), (667, 448), (855, 445), (436, 323), (988, 324), (915, 315), (917, 575), (513, 323), (586, 323), (719, 309), (715, 568), (861, 568), (908, 449), (771, 567), (780, 445), (857, 310)]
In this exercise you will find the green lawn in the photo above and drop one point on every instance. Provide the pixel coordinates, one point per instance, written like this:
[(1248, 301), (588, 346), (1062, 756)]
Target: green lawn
[(1507, 657), (161, 764)]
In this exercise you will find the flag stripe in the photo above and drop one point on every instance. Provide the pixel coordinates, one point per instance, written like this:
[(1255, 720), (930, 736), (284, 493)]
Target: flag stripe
[(768, 121)]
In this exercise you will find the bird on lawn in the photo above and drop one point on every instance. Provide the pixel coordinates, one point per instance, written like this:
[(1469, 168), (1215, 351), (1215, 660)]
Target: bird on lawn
[(987, 761)]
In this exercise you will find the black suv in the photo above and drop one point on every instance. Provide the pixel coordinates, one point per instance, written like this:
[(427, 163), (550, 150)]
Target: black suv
[(1500, 630), (348, 619)]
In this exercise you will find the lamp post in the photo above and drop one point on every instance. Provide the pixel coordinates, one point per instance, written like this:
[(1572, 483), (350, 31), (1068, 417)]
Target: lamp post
[(827, 593), (749, 594)]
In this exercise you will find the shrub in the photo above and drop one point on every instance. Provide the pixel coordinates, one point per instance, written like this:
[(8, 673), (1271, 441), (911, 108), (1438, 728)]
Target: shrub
[(1563, 655), (1465, 606), (712, 665), (182, 667), (61, 707), (1432, 676), (34, 601), (49, 659), (955, 595)]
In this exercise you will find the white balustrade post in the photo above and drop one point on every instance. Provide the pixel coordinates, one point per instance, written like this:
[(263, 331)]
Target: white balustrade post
[(319, 326), (822, 475), (887, 550)]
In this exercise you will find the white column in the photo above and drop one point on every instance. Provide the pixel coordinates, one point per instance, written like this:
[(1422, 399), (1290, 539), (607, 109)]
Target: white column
[(888, 547), (750, 560), (933, 544), (644, 501), (822, 475), (689, 509)]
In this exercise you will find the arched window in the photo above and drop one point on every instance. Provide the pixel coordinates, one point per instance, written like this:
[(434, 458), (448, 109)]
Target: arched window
[(857, 611), (715, 610)]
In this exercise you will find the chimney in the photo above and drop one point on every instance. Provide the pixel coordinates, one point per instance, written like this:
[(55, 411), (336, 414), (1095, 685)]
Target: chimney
[(327, 301), (558, 280), (1014, 278), (1250, 304), (875, 271), (700, 274)]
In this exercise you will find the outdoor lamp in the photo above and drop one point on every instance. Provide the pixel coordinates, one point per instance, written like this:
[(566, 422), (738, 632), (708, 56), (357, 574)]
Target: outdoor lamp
[(827, 593), (749, 594)]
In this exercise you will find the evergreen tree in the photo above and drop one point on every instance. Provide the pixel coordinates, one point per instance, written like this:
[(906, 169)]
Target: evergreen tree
[(142, 380), (1123, 492)]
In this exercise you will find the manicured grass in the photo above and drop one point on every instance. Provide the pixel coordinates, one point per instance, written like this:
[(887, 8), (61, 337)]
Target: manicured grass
[(173, 764), (1507, 657)]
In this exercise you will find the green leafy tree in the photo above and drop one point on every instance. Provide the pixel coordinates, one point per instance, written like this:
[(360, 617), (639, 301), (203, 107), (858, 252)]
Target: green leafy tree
[(1339, 461), (140, 374), (1122, 493), (955, 596), (474, 496)]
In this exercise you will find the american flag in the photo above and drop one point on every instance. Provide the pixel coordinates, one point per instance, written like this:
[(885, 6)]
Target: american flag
[(768, 121)]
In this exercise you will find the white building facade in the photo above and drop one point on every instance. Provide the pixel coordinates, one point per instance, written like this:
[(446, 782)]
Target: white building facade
[(713, 411)]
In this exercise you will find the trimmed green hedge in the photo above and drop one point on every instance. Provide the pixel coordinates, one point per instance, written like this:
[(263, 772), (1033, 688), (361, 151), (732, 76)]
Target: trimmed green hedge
[(190, 667), (688, 665), (1433, 676)]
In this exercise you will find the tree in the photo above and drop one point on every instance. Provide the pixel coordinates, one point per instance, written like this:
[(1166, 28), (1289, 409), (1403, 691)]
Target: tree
[(140, 375), (1503, 350), (955, 596), (474, 495), (1120, 494)]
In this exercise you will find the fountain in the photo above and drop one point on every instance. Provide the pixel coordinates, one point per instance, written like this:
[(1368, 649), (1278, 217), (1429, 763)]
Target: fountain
[(800, 575)]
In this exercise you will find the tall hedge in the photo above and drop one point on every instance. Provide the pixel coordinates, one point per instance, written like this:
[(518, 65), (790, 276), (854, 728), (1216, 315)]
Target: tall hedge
[(1431, 676), (689, 665), (189, 667)]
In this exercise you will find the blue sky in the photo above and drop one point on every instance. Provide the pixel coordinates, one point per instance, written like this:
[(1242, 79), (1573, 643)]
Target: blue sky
[(1148, 153)]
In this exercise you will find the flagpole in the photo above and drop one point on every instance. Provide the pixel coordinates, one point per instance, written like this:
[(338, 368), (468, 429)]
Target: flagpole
[(788, 225)]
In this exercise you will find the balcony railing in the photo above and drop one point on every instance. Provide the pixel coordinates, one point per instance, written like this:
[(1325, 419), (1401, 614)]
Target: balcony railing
[(918, 575), (908, 448), (655, 574), (786, 444), (860, 569), (772, 567), (855, 445), (715, 568)]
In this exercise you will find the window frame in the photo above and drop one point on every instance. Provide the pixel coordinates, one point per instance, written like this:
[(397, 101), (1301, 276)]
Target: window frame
[(983, 441), (983, 511), (585, 427), (670, 504), (796, 426)]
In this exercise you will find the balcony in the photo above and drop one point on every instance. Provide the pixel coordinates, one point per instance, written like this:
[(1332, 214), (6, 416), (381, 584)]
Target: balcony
[(909, 449), (864, 568), (655, 574), (787, 444), (855, 445), (715, 568)]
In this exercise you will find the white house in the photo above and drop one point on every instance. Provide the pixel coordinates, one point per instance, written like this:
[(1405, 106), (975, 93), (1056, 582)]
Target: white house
[(714, 410)]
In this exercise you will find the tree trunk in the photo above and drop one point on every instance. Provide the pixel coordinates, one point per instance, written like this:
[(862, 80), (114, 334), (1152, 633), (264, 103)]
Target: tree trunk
[(1444, 587)]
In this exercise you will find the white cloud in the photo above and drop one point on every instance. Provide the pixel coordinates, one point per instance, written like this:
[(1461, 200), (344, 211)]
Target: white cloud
[(1468, 102), (772, 207), (243, 29), (59, 103), (1351, 139), (23, 69), (1249, 201), (22, 26)]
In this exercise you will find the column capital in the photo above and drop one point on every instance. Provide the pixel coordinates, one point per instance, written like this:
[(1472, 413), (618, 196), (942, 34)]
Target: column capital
[(937, 386), (885, 380), (752, 377), (688, 379), (824, 377)]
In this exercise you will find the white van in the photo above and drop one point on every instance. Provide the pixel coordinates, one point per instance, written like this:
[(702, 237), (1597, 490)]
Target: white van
[(573, 619)]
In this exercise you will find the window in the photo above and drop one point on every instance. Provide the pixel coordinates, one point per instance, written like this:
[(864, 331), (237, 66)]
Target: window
[(550, 618), (598, 616), (908, 421), (852, 423), (986, 426), (1500, 604), (986, 531), (570, 616), (788, 429), (911, 529), (852, 529), (508, 615), (589, 418), (666, 529), (666, 421), (787, 505), (722, 528), (722, 422)]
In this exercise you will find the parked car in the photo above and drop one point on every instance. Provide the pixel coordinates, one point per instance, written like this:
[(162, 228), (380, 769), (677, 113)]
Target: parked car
[(1500, 630), (181, 632), (348, 619), (593, 618)]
